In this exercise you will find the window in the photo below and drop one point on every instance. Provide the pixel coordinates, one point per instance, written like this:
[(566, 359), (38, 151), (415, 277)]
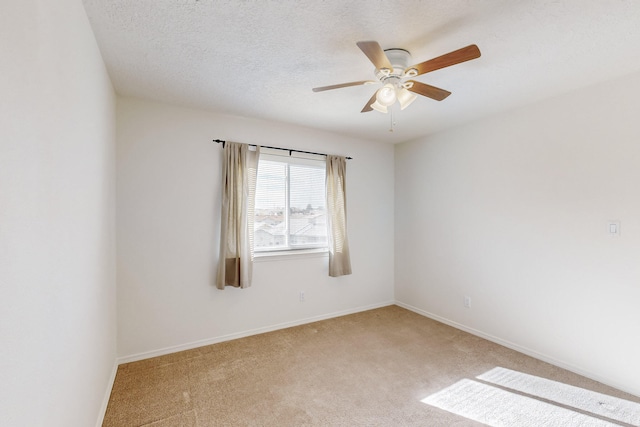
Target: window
[(290, 210)]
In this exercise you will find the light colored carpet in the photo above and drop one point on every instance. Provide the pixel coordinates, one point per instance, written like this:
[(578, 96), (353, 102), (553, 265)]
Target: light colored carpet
[(376, 368)]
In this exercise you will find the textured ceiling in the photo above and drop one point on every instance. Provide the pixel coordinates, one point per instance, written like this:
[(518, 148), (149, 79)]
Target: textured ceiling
[(261, 58)]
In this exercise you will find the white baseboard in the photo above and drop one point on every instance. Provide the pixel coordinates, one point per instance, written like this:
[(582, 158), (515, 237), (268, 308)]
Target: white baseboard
[(481, 334), (519, 348), (107, 394), (229, 337)]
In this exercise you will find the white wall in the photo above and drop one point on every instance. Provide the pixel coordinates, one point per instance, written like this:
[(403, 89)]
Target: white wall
[(512, 211), (57, 217), (168, 202)]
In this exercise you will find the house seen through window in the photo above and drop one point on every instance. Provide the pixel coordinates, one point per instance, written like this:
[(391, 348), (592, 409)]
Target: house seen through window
[(290, 209)]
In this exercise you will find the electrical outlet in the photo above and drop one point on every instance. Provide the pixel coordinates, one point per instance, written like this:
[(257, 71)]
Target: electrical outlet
[(613, 228), (467, 302), (301, 296)]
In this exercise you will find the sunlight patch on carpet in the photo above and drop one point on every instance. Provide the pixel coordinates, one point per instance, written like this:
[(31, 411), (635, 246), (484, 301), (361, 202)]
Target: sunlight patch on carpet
[(576, 397), (500, 408)]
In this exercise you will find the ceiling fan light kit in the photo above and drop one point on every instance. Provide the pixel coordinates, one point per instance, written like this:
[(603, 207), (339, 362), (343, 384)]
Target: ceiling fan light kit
[(392, 68), (387, 94), (378, 107), (405, 98)]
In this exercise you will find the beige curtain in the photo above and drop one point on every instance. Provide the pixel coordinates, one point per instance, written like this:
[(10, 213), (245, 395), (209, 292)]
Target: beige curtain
[(339, 260), (239, 174)]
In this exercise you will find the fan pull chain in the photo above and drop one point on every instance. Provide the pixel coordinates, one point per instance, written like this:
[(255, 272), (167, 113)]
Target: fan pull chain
[(392, 124)]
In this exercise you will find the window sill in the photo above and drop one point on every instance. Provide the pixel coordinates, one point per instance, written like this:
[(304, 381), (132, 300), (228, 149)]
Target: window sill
[(287, 255)]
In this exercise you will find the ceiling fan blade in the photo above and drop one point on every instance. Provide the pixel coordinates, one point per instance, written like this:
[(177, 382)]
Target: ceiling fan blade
[(375, 54), (367, 107), (428, 90), (362, 82), (448, 59)]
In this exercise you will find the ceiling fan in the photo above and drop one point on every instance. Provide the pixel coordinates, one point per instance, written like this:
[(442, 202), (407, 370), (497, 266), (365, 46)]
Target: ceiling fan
[(393, 71)]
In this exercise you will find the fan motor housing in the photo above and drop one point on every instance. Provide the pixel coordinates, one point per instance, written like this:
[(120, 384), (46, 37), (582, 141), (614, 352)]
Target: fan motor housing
[(400, 59)]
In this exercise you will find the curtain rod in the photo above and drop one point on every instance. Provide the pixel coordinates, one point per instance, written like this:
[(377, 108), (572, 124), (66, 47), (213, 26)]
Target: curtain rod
[(290, 150)]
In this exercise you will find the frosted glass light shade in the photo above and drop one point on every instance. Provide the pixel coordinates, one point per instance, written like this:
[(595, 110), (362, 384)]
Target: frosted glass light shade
[(405, 98), (379, 107), (386, 95)]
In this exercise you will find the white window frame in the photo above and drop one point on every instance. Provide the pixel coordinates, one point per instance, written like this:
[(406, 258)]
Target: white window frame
[(287, 249)]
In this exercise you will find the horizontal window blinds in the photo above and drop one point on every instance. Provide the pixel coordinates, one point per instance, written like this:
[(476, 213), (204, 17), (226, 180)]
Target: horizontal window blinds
[(290, 204)]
